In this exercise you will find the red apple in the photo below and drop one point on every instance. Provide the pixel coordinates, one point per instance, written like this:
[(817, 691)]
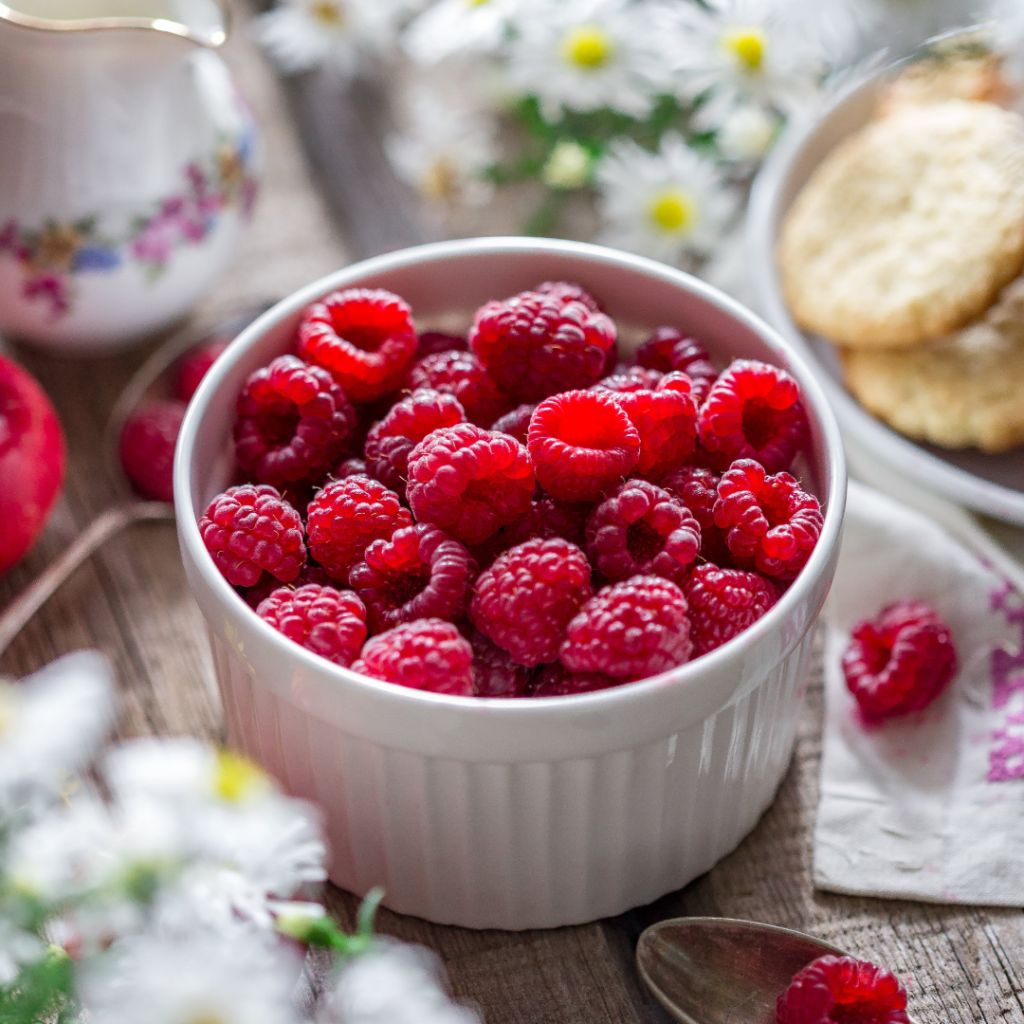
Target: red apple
[(32, 460)]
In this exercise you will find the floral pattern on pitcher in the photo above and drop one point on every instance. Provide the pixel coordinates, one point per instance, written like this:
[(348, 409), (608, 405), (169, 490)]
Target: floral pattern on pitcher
[(51, 255)]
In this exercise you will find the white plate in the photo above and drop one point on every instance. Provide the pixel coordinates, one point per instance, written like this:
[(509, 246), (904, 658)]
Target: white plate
[(993, 484)]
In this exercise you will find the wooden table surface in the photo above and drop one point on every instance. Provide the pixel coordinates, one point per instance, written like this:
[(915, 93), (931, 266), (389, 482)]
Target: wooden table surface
[(961, 964)]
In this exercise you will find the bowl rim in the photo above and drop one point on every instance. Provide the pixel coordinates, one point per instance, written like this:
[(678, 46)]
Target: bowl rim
[(882, 442), (612, 698)]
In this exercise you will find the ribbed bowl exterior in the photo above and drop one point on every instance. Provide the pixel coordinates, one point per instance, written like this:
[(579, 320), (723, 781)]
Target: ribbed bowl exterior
[(535, 844), (516, 813)]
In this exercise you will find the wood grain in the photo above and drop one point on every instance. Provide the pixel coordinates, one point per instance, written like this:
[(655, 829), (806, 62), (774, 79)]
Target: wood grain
[(961, 964)]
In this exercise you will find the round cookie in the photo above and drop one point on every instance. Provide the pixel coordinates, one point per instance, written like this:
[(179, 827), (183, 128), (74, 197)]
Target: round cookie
[(908, 230), (964, 391)]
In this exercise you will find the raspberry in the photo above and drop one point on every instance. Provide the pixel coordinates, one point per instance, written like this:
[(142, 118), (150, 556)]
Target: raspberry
[(469, 481), (516, 423), (753, 411), (669, 349), (294, 422), (147, 445), (525, 600), (556, 681), (899, 662), (772, 525), (632, 378), (697, 488), (430, 342), (723, 603), (582, 442), (839, 988), (267, 584), (495, 674), (534, 346), (419, 573), (346, 516), (193, 367), (428, 654), (391, 439), (667, 424), (321, 619), (546, 517), (250, 529), (630, 630), (463, 375), (567, 292), (364, 336), (642, 530), (350, 467)]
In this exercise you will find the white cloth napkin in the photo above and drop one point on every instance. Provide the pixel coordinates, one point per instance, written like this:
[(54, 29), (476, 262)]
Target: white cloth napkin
[(930, 807)]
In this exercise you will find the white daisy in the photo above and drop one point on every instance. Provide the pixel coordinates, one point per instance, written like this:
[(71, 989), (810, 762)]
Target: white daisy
[(17, 948), (584, 55), (393, 983), (746, 133), (198, 980), (663, 204), (341, 34), (444, 150), (568, 166), (764, 53), (458, 26), (50, 725)]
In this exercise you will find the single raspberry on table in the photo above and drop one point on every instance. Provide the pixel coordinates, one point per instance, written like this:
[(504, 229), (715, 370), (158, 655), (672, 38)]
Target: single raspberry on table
[(267, 584), (406, 424), (669, 349), (469, 481), (430, 342), (753, 411), (843, 990), (192, 368), (555, 680), (429, 654), (495, 674), (326, 621), (419, 573), (630, 630), (899, 662), (524, 601), (566, 291), (723, 603), (346, 516), (667, 424), (252, 529), (364, 336), (534, 346), (642, 530), (463, 375), (697, 488), (771, 524), (146, 447), (632, 378), (582, 443), (546, 517), (293, 423), (517, 422)]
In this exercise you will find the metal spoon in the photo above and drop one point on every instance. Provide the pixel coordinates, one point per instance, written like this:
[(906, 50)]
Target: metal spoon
[(713, 970), (129, 509)]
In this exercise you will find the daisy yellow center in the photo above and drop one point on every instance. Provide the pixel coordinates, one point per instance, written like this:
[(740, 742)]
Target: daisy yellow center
[(588, 47), (673, 210), (747, 46), (8, 707), (477, 3), (236, 778), (330, 13), (440, 180), (205, 1017)]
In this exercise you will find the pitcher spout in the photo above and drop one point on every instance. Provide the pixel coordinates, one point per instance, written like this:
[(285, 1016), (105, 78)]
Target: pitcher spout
[(203, 22)]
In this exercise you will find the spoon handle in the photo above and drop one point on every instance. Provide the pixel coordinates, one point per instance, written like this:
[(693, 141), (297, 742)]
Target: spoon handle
[(97, 533)]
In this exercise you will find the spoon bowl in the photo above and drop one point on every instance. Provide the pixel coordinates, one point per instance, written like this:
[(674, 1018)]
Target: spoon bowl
[(713, 970)]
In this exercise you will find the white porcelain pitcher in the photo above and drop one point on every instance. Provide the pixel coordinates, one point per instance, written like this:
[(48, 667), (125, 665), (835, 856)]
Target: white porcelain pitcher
[(127, 166)]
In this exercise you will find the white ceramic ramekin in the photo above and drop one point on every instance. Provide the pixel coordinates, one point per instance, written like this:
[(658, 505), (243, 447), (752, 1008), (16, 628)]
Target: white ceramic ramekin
[(504, 813)]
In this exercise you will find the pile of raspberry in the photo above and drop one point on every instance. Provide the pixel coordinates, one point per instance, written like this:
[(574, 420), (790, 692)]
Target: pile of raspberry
[(514, 513)]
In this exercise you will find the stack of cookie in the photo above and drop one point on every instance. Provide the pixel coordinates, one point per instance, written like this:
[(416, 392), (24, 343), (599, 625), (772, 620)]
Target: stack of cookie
[(906, 248)]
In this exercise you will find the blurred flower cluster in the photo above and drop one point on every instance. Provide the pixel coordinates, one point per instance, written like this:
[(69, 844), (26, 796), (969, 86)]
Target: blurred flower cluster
[(168, 883), (656, 113)]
